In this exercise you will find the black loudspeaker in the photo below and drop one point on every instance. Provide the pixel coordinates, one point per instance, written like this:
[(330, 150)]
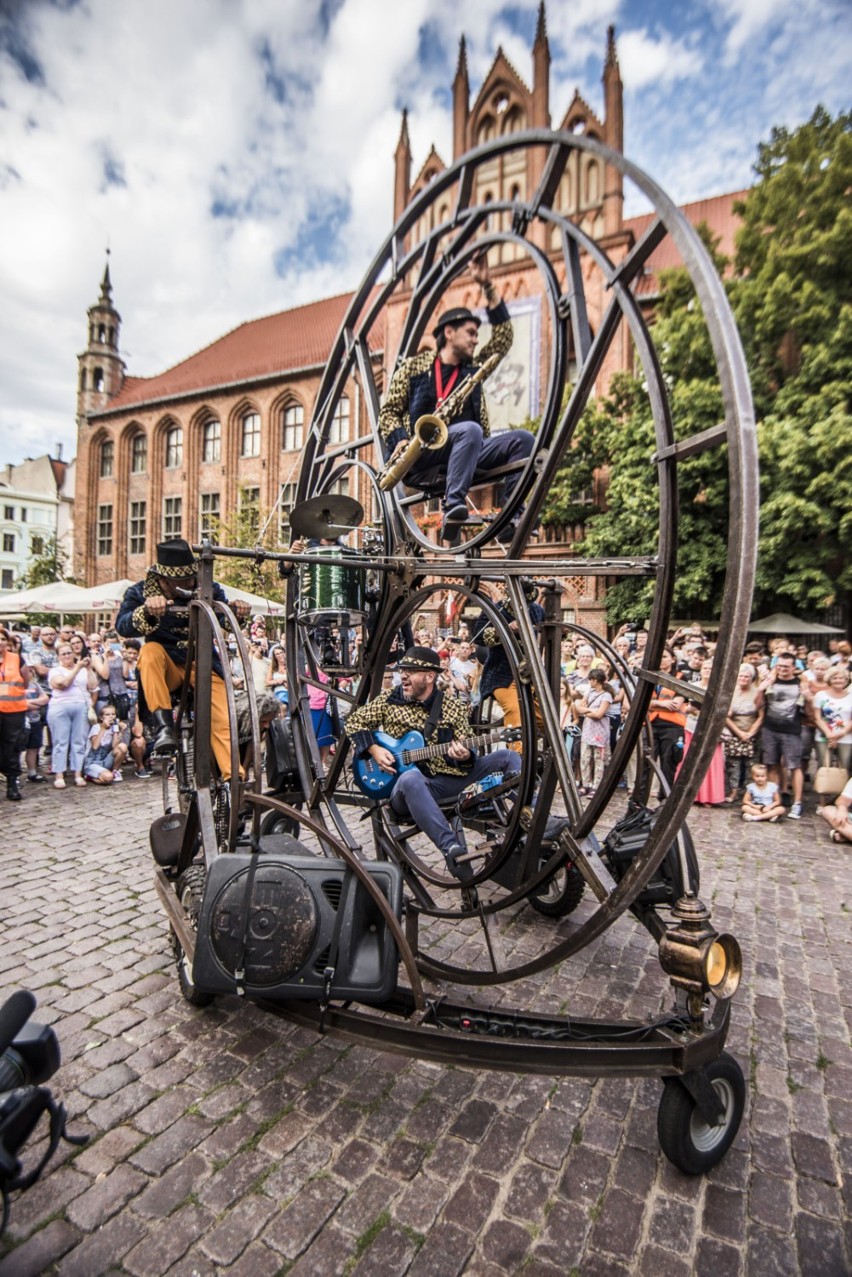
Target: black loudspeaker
[(293, 903)]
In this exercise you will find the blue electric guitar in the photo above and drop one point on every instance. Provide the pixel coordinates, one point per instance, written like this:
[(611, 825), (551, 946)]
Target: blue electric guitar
[(410, 750)]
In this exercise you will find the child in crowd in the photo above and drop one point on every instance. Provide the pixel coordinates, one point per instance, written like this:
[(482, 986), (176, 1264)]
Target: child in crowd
[(106, 751), (594, 734), (761, 800)]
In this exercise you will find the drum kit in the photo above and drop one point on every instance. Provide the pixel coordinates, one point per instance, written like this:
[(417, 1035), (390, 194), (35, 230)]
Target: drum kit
[(331, 594), (253, 913)]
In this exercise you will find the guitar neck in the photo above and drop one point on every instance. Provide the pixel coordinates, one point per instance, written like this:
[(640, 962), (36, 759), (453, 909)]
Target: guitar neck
[(440, 751)]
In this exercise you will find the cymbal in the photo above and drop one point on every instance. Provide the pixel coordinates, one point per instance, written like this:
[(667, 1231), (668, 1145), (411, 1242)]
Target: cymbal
[(326, 516)]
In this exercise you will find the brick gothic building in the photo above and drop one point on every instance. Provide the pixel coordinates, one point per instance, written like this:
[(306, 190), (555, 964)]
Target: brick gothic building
[(164, 455)]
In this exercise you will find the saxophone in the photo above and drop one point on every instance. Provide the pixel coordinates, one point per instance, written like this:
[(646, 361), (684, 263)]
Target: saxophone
[(431, 430)]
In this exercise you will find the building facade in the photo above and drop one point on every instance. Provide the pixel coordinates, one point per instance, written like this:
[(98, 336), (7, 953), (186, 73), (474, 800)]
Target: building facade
[(222, 431), (37, 505)]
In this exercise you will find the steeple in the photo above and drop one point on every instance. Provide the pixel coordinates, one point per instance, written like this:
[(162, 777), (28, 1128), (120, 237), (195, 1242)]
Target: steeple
[(461, 102), (100, 367), (541, 26), (402, 164), (106, 283), (613, 136), (541, 73)]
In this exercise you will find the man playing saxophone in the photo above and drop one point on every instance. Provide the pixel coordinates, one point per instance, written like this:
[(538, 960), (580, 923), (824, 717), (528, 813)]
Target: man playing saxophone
[(421, 384)]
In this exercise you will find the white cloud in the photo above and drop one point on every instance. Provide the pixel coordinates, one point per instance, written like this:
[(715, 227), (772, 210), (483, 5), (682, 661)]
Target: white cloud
[(645, 59), (286, 125)]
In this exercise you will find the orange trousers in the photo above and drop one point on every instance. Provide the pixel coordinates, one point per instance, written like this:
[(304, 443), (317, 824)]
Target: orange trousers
[(508, 700), (161, 676)]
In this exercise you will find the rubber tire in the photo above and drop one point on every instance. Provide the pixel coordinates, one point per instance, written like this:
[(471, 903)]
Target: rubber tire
[(190, 890), (685, 1138), (275, 822), (560, 895)]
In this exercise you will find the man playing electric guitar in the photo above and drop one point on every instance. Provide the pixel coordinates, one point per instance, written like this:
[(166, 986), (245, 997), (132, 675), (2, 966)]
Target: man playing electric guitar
[(417, 705)]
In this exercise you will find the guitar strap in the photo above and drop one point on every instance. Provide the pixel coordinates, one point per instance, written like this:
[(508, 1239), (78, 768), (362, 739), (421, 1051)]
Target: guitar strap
[(434, 716)]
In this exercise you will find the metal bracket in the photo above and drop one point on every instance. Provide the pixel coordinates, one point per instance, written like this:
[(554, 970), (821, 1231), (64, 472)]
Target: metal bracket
[(707, 1098)]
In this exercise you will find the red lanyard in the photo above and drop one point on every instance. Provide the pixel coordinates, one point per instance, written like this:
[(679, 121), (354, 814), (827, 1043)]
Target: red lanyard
[(439, 382)]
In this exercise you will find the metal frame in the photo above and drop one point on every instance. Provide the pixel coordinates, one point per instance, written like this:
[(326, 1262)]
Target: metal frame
[(408, 567)]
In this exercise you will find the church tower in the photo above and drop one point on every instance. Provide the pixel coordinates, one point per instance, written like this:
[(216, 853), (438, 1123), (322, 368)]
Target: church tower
[(100, 367)]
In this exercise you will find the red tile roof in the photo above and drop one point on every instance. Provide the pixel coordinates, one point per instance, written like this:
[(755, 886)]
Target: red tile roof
[(258, 349), (717, 212)]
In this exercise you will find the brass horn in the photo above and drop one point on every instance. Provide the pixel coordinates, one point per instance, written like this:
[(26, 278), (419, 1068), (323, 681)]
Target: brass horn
[(431, 430)]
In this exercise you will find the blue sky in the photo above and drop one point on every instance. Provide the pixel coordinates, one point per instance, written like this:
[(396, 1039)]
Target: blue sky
[(237, 154)]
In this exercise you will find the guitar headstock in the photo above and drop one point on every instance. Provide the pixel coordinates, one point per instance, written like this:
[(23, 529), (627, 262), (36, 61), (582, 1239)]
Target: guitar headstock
[(511, 734)]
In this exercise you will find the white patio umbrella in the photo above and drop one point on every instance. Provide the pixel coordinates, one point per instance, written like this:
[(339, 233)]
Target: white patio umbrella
[(107, 597), (60, 597), (57, 596), (268, 607), (784, 623)]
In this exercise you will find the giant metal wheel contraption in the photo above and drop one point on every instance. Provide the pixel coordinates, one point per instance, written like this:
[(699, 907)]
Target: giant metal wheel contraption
[(349, 925)]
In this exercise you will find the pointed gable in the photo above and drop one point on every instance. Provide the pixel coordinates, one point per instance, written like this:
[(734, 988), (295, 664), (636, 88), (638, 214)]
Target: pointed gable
[(432, 166), (503, 104), (580, 118)]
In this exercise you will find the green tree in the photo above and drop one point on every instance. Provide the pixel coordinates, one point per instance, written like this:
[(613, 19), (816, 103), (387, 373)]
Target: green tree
[(790, 290), (49, 566), (793, 303), (248, 528)]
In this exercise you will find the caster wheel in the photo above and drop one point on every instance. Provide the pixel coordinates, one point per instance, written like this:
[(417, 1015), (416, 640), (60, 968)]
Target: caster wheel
[(686, 1138), (275, 822), (190, 889), (560, 895)]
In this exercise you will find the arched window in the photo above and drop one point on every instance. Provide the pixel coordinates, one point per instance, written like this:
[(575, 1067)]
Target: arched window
[(485, 132), (514, 121), (107, 458), (211, 441), (174, 448), (99, 380), (340, 422), (101, 333), (251, 435), (139, 453), (593, 184), (293, 421)]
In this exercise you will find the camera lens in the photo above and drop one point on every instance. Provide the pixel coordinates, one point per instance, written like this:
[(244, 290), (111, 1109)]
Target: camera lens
[(13, 1071)]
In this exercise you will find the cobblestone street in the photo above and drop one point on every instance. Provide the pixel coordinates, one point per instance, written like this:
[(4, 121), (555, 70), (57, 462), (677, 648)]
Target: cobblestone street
[(225, 1140)]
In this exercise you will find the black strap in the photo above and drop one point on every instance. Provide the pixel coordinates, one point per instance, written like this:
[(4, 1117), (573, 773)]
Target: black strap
[(240, 965), (434, 716), (334, 946)]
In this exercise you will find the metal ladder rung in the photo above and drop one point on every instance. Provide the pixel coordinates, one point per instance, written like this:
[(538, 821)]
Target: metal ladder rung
[(690, 691), (702, 442)]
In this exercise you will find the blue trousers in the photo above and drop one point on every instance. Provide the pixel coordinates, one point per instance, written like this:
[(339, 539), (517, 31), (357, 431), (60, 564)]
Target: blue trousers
[(469, 458), (417, 795), (69, 732)]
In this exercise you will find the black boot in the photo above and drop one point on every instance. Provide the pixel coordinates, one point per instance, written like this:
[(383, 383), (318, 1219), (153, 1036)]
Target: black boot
[(166, 741), (13, 793)]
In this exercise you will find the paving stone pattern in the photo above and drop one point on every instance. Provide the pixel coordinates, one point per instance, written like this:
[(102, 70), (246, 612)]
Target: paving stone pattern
[(225, 1140)]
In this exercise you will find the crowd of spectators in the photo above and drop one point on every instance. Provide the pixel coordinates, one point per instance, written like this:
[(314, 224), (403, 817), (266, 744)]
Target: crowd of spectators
[(70, 708)]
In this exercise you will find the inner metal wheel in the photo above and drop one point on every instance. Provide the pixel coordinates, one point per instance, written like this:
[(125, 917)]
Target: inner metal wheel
[(419, 272)]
